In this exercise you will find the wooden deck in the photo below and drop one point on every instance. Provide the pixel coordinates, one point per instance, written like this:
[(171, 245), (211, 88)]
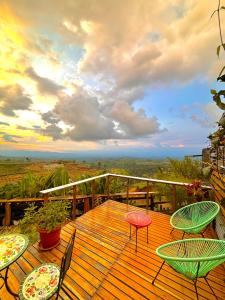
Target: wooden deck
[(105, 265)]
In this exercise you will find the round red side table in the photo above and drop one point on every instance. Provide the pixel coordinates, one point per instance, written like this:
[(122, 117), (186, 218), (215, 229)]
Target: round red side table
[(138, 220)]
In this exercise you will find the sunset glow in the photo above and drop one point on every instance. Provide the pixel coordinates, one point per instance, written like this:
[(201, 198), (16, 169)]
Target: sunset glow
[(107, 75)]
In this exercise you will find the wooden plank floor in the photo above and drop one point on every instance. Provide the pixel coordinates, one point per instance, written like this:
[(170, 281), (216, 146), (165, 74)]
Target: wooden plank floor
[(106, 266)]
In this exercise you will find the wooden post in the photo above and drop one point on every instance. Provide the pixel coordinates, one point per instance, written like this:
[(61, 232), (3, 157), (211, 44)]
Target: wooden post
[(93, 191), (147, 195), (74, 202), (7, 214), (128, 185), (45, 197), (174, 199), (107, 187), (223, 154), (152, 205), (86, 204)]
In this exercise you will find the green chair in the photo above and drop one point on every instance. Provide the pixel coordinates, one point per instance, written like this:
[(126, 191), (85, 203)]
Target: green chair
[(193, 258), (194, 218)]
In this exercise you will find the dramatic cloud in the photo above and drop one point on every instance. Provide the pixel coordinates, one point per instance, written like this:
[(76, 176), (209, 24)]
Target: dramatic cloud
[(13, 98), (90, 70), (133, 123), (91, 119)]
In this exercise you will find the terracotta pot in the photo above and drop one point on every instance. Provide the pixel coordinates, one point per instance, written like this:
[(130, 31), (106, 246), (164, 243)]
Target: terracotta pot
[(50, 239)]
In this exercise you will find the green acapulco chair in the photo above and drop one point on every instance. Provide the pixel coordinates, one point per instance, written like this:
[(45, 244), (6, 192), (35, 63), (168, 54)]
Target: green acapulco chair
[(194, 258), (194, 218)]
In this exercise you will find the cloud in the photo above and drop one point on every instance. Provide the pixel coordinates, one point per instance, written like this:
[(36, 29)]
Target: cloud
[(10, 138), (207, 115), (204, 122), (92, 119), (13, 98), (35, 128), (115, 52), (4, 123), (45, 85), (124, 50), (132, 123)]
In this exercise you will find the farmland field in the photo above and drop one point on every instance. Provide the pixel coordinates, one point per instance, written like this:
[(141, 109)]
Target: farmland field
[(12, 171)]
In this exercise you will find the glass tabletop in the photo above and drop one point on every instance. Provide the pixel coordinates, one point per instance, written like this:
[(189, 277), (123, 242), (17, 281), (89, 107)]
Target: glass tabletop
[(12, 247)]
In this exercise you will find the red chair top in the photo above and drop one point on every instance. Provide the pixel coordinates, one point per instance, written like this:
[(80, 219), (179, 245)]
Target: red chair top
[(138, 219)]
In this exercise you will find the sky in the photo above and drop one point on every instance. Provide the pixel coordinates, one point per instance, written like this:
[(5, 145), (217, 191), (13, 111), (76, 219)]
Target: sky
[(108, 76)]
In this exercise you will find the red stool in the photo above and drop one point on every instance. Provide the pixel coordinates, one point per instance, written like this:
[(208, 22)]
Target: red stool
[(139, 220)]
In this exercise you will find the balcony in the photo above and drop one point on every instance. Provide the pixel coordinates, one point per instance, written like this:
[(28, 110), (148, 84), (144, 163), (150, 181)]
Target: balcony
[(106, 266)]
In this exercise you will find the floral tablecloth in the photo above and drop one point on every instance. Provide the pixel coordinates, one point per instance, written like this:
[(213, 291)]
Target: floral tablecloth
[(41, 283), (12, 246)]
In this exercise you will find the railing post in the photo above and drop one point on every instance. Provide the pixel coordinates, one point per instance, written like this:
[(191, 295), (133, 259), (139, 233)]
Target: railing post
[(93, 191), (74, 202), (45, 197), (174, 199), (7, 214), (107, 186), (147, 195), (86, 204), (128, 185)]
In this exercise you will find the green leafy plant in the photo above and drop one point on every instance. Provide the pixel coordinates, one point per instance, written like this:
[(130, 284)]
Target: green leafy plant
[(217, 138), (186, 170), (59, 177), (49, 216)]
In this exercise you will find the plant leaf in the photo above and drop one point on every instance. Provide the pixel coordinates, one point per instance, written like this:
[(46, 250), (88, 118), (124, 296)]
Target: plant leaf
[(213, 92), (218, 101), (222, 7)]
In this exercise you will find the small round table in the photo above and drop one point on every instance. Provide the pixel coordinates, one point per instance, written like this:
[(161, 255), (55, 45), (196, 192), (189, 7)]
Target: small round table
[(12, 246), (138, 220)]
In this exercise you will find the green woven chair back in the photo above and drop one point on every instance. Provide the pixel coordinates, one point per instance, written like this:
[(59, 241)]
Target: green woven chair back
[(186, 256), (195, 217)]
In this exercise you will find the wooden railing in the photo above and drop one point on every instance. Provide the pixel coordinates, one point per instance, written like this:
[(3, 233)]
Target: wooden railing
[(128, 178), (148, 194)]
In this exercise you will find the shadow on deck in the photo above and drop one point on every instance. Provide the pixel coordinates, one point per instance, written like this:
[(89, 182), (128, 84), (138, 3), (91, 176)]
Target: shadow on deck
[(105, 265)]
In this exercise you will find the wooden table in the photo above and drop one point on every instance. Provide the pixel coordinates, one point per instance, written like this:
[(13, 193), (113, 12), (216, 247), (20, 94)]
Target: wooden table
[(12, 246)]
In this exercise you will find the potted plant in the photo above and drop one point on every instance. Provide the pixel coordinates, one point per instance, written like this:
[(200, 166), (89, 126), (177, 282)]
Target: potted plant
[(196, 191), (48, 220)]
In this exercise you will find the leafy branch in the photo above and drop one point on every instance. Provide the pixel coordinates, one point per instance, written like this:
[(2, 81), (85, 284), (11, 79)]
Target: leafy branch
[(219, 8), (217, 95)]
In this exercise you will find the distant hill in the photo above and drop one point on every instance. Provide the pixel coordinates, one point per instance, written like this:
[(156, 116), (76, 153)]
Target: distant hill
[(93, 155)]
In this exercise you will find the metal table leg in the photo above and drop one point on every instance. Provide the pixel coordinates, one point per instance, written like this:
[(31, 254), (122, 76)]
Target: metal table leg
[(136, 238), (147, 234), (5, 279)]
